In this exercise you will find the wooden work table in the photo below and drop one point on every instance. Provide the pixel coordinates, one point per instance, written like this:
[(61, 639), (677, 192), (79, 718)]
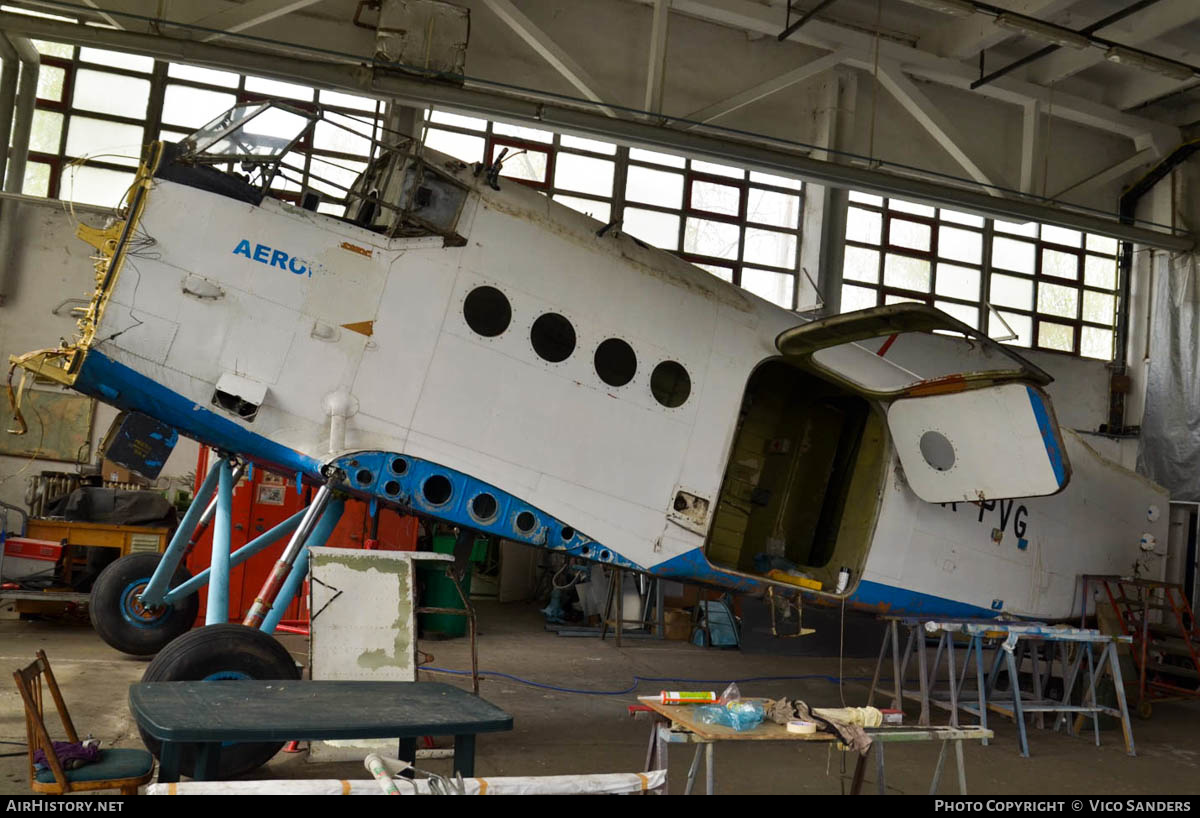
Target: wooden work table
[(678, 724)]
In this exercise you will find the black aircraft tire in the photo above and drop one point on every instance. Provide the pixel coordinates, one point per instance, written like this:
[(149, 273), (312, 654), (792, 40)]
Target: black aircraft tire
[(120, 620), (213, 653)]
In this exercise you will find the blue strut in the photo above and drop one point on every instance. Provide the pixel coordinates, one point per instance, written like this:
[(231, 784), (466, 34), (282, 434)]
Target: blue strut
[(218, 578), (156, 589), (259, 543), (291, 586)]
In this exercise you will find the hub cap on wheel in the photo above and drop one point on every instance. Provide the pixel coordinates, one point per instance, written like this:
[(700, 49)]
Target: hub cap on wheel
[(134, 612)]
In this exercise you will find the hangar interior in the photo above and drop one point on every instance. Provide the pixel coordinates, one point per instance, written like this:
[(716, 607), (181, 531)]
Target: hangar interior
[(767, 328)]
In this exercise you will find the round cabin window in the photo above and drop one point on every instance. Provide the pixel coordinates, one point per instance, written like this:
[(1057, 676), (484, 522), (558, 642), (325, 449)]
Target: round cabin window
[(615, 362), (937, 450), (553, 337), (487, 311), (670, 384)]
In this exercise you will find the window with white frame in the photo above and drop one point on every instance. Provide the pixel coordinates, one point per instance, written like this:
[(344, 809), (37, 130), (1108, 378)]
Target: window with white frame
[(741, 226), (97, 109), (1031, 284)]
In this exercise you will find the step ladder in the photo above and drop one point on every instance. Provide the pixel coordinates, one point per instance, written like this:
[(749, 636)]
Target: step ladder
[(1166, 639)]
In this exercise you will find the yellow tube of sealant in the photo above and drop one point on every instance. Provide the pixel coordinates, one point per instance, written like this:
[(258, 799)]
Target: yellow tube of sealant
[(688, 697)]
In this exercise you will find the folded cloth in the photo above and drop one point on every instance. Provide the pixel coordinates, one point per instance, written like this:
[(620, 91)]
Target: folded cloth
[(71, 755), (852, 735)]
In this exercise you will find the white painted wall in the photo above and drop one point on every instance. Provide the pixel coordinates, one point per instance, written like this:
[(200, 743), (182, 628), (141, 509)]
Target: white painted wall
[(49, 264)]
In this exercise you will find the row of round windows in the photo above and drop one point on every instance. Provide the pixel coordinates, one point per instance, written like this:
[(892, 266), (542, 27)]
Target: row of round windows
[(488, 313)]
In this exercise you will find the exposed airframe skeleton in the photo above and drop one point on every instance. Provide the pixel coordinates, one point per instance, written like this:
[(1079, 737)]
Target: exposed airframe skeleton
[(660, 419)]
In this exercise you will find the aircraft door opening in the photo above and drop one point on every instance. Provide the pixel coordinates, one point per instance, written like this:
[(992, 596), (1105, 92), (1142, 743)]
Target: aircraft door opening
[(799, 496)]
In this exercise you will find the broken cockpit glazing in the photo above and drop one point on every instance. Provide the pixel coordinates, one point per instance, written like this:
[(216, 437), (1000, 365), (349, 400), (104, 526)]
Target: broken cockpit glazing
[(398, 194)]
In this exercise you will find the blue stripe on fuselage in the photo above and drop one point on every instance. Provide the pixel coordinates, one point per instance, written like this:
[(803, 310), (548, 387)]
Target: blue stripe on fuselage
[(126, 388), (692, 566)]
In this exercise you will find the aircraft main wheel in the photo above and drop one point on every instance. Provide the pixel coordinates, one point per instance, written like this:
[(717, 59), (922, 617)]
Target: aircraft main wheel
[(123, 622), (215, 653)]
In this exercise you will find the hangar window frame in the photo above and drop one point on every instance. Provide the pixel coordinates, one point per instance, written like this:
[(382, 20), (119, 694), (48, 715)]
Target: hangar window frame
[(778, 282), (1031, 323), (48, 172), (620, 203)]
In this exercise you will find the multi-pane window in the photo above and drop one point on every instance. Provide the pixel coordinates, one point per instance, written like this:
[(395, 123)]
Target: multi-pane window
[(96, 110), (743, 227), (89, 123), (1029, 284)]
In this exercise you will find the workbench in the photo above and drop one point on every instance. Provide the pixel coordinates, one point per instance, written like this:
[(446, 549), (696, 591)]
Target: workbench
[(678, 724), (205, 714)]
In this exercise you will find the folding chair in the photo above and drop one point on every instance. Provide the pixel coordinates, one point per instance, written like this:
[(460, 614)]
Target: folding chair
[(115, 769)]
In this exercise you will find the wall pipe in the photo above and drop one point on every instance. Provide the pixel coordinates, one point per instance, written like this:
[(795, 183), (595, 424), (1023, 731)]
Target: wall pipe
[(8, 98), (1127, 209), (14, 177), (18, 93)]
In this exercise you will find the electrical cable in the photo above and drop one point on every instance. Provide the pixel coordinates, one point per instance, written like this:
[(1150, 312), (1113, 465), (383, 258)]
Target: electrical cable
[(639, 680)]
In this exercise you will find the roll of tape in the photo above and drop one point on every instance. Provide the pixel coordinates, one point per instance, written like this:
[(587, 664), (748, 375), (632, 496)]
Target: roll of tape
[(804, 728)]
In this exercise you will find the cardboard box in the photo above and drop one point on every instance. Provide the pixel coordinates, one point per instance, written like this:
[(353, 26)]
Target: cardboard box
[(112, 473), (678, 624)]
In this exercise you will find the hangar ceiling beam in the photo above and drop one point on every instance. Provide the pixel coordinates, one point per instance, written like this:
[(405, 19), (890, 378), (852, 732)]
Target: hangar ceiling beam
[(966, 37), (765, 89), (539, 41), (552, 113), (1111, 173), (922, 64), (247, 15), (921, 108), (1137, 30), (107, 18), (656, 71), (1031, 145)]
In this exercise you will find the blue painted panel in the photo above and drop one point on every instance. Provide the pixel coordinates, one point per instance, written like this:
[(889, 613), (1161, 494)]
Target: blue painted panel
[(421, 485), (119, 385), (901, 601), (693, 566), (1049, 436)]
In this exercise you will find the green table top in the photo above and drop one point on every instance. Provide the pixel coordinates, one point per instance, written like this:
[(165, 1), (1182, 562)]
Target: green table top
[(250, 710)]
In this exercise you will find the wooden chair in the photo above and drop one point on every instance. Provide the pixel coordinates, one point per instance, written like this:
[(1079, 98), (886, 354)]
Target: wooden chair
[(116, 769)]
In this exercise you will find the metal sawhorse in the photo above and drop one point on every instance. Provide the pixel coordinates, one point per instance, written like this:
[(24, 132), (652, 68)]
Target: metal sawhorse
[(1013, 644)]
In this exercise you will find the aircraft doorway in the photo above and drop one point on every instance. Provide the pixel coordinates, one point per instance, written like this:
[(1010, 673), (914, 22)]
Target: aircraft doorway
[(799, 496)]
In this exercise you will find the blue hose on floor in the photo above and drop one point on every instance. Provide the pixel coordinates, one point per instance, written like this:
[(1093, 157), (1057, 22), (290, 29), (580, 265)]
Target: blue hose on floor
[(637, 680)]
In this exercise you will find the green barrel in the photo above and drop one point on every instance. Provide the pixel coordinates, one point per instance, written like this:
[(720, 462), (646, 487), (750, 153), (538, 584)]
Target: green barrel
[(439, 591)]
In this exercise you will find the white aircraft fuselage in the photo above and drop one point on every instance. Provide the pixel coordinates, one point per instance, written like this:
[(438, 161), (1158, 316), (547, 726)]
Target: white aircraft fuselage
[(302, 341)]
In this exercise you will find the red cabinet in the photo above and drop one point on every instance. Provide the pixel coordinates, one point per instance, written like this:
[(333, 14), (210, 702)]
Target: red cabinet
[(262, 501)]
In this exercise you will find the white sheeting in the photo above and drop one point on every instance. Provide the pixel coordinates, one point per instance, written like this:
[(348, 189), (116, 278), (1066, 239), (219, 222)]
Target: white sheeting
[(599, 784), (1169, 448)]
